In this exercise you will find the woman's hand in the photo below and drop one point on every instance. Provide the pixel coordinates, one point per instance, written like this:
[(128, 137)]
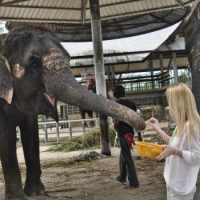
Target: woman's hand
[(168, 151), (154, 123)]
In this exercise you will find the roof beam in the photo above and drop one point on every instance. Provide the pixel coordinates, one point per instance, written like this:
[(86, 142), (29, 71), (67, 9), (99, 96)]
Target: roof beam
[(12, 2), (118, 3), (180, 2), (184, 52), (139, 12), (161, 18), (83, 10), (37, 7), (38, 20)]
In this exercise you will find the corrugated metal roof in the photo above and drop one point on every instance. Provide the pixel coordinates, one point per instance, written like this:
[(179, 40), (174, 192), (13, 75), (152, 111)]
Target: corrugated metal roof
[(182, 62), (121, 18), (145, 42), (55, 10), (133, 61), (176, 45)]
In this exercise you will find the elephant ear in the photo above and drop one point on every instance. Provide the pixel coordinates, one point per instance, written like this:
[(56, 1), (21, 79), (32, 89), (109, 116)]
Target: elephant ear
[(6, 86)]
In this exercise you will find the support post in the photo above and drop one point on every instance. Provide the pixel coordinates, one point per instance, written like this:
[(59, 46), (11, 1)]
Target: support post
[(152, 77), (99, 72), (83, 126), (70, 131), (161, 69), (108, 71), (113, 74), (174, 64), (65, 115), (57, 133)]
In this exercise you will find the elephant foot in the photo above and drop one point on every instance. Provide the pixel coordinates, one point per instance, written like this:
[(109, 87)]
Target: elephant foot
[(34, 189), (16, 197)]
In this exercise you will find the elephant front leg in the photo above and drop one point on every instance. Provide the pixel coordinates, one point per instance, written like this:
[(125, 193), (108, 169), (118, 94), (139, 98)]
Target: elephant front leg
[(13, 183), (30, 141)]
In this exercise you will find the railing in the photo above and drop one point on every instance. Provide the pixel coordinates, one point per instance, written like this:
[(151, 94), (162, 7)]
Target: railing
[(140, 83), (69, 130), (171, 123)]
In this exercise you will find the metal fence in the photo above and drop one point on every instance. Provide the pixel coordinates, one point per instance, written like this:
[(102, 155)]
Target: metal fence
[(67, 131)]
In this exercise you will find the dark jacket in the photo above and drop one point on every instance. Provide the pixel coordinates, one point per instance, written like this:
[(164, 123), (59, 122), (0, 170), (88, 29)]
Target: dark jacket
[(123, 127)]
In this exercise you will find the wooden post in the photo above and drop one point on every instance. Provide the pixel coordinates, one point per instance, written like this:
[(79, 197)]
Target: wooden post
[(99, 72)]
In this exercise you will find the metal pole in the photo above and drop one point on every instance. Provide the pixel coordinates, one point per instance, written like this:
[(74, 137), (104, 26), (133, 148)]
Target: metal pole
[(57, 133), (83, 125), (46, 133), (152, 77), (97, 123), (108, 71), (161, 62), (20, 139), (65, 115), (99, 72), (70, 131), (161, 69)]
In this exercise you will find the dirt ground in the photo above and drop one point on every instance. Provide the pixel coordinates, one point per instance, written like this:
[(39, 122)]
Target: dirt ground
[(96, 179)]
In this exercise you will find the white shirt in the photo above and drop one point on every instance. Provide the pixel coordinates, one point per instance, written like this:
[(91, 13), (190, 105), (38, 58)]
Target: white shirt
[(181, 173)]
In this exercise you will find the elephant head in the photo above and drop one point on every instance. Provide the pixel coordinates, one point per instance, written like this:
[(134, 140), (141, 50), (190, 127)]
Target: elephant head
[(35, 73), (193, 47)]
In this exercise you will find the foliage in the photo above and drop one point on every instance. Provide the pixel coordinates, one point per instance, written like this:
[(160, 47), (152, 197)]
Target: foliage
[(90, 139), (183, 78), (2, 25)]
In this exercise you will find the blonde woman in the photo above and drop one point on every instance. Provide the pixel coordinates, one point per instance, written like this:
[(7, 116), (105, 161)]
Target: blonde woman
[(182, 150)]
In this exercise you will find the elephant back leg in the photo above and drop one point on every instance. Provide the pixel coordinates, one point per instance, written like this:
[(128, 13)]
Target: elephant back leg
[(30, 141), (90, 114), (12, 176), (83, 112)]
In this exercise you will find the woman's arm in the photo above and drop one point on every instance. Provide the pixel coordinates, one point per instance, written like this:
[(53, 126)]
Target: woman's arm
[(192, 155), (168, 151), (154, 123)]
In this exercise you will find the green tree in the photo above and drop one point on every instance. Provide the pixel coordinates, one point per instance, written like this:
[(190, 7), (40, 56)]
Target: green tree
[(183, 78), (2, 26)]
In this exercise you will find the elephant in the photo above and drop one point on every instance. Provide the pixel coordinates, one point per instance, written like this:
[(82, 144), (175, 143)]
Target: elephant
[(34, 74), (192, 39), (90, 115), (92, 88)]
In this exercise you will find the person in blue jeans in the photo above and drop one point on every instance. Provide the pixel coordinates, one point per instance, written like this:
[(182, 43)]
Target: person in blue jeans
[(125, 134)]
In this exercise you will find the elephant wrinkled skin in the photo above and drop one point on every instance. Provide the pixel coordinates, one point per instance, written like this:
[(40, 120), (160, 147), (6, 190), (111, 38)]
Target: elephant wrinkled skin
[(34, 74), (193, 48)]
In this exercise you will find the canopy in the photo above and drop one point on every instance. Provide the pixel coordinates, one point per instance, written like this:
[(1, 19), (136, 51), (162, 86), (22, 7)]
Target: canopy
[(120, 18)]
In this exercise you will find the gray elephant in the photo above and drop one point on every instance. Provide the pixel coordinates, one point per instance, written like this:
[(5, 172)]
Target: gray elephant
[(34, 74), (193, 48)]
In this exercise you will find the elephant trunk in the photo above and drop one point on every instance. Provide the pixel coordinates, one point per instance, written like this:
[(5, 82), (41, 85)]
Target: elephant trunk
[(61, 84)]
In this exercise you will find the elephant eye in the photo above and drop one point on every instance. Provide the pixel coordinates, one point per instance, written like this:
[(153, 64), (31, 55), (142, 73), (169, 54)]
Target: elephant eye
[(34, 63)]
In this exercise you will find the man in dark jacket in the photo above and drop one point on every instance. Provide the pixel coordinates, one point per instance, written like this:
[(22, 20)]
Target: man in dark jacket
[(125, 134)]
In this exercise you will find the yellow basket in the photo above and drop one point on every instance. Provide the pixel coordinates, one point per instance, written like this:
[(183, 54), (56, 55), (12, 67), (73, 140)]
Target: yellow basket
[(150, 150)]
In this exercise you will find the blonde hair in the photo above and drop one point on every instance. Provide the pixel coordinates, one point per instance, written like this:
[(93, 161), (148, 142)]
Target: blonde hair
[(183, 110)]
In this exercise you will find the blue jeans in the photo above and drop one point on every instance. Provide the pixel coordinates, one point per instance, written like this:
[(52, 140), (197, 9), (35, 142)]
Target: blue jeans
[(126, 164)]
